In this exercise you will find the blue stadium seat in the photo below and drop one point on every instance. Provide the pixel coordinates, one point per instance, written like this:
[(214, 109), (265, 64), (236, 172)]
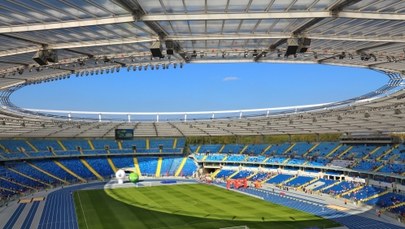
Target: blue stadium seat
[(279, 178), (298, 181)]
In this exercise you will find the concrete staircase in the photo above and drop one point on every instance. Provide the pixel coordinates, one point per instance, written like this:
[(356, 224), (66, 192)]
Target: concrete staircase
[(90, 144), (344, 152), (289, 148), (371, 153), (158, 167), (174, 143), (111, 163), (394, 206), (374, 196), (32, 146), (47, 173), (17, 183), (214, 174), (221, 149), (333, 151), (244, 149), (180, 168), (31, 178), (351, 190), (329, 186), (266, 149), (268, 178), (233, 174), (387, 152), (308, 183), (61, 145), (378, 168), (147, 143), (69, 171), (311, 149), (88, 166), (136, 165), (288, 180)]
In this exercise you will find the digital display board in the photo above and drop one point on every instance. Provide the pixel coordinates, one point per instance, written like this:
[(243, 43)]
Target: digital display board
[(124, 134)]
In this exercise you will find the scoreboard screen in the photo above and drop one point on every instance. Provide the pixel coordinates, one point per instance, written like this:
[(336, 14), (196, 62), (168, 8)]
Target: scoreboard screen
[(124, 134)]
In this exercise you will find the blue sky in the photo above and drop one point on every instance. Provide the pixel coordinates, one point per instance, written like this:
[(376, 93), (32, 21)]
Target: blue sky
[(199, 87)]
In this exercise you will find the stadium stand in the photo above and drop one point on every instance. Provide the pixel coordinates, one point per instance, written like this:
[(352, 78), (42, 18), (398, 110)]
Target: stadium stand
[(279, 178), (298, 181), (225, 173), (148, 165), (255, 148), (101, 166), (78, 168)]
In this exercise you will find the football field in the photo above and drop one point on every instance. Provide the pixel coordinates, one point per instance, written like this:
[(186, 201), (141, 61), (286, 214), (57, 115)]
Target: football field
[(185, 206)]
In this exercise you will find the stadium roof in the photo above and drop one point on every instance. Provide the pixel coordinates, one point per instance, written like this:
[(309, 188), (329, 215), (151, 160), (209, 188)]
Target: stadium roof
[(88, 37)]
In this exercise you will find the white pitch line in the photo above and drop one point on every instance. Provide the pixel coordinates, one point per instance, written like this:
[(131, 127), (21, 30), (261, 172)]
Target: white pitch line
[(81, 206)]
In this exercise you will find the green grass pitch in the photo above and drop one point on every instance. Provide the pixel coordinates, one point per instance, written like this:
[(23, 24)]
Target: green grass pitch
[(185, 206)]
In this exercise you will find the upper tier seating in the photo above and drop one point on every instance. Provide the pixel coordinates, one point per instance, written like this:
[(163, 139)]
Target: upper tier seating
[(74, 144), (339, 151), (379, 152), (323, 149), (166, 143), (393, 168), (301, 148), (232, 148), (42, 145), (193, 148), (138, 143), (359, 151), (278, 149), (212, 148), (396, 152), (367, 165), (16, 146), (256, 148), (103, 143), (181, 143)]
